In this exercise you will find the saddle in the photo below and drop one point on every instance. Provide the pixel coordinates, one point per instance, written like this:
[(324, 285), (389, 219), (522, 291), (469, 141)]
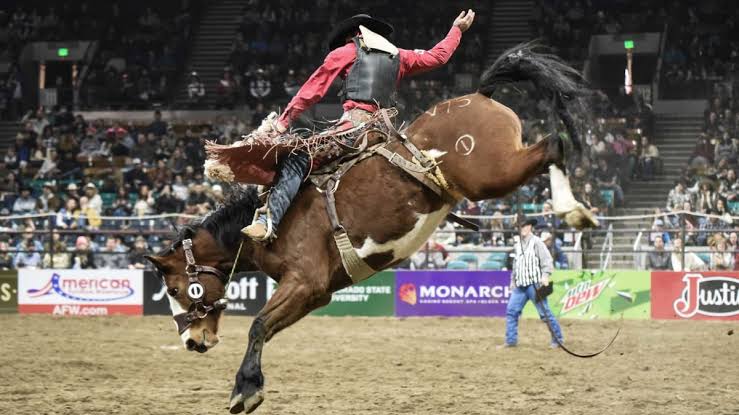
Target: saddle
[(254, 159), (333, 153)]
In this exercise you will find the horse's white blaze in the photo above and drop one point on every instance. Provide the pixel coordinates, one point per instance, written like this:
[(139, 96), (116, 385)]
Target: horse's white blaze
[(406, 245), (176, 308)]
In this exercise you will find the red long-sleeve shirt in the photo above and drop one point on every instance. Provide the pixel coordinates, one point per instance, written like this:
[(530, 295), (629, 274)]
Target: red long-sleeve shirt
[(340, 60)]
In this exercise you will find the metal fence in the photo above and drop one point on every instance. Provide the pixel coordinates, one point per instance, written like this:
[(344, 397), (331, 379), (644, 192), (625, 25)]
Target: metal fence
[(616, 244)]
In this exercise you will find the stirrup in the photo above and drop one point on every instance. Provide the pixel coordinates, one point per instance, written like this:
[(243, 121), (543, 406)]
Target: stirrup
[(270, 235)]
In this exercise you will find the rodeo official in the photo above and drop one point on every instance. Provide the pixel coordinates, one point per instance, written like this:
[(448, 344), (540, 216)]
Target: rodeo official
[(532, 266)]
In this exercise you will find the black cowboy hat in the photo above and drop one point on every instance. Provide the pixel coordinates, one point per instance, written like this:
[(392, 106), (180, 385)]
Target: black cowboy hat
[(522, 220), (349, 26)]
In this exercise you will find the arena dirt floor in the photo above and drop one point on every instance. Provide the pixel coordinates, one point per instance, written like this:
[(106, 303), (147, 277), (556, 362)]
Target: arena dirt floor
[(324, 365)]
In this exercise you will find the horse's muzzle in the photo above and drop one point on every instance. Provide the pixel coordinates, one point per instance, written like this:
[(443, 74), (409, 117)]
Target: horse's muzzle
[(198, 347)]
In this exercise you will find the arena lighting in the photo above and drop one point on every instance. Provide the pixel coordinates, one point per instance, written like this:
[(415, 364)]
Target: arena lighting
[(62, 52), (628, 44)]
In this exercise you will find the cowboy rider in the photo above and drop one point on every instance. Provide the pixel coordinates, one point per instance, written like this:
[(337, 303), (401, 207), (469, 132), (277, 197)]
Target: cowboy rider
[(371, 67)]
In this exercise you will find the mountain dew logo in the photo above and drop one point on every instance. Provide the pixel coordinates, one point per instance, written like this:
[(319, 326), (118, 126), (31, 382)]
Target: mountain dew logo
[(599, 294), (584, 293)]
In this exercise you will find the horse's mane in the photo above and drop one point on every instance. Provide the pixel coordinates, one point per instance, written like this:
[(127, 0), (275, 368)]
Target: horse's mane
[(226, 221)]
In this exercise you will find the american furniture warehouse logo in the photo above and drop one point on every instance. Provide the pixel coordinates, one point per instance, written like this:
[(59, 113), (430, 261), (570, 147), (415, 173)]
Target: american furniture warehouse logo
[(708, 296), (85, 289)]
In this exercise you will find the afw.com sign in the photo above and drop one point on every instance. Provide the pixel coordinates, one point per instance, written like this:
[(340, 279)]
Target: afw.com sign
[(80, 292)]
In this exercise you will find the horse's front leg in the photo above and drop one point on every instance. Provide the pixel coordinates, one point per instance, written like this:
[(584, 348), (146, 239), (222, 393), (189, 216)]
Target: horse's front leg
[(248, 392), (291, 301)]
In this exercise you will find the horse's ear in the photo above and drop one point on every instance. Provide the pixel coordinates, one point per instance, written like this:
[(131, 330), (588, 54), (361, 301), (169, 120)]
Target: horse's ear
[(157, 261)]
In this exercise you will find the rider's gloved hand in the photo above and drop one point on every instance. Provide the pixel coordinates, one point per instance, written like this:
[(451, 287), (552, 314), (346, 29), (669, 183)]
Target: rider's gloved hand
[(271, 125)]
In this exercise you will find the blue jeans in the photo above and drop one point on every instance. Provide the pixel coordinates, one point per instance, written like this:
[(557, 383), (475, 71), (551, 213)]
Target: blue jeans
[(291, 172), (293, 169), (519, 297)]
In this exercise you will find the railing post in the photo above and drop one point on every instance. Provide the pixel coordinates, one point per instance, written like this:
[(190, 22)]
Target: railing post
[(52, 224), (682, 237), (426, 261)]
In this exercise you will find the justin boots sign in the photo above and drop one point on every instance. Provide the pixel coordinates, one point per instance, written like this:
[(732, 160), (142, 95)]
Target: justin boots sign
[(706, 296)]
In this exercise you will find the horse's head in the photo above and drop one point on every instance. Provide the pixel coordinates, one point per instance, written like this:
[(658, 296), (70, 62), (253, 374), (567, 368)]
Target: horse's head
[(195, 270)]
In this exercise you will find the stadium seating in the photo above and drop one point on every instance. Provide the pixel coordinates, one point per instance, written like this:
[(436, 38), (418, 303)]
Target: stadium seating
[(490, 266), (608, 196), (458, 265)]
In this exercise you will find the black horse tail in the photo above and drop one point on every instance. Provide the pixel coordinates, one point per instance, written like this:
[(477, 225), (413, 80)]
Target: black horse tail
[(561, 82)]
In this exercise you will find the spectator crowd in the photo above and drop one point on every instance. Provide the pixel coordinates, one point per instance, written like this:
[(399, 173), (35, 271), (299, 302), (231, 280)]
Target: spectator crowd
[(708, 188), (140, 49), (93, 175), (279, 44), (702, 48), (84, 176)]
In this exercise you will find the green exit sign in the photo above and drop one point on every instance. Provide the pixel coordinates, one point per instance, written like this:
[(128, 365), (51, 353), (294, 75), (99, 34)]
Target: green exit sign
[(629, 44), (62, 52)]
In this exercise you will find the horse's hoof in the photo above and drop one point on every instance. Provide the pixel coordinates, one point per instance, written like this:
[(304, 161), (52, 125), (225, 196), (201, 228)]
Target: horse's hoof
[(240, 404), (581, 218)]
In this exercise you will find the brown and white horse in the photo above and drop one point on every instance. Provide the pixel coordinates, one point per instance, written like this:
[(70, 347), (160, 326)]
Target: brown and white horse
[(387, 214)]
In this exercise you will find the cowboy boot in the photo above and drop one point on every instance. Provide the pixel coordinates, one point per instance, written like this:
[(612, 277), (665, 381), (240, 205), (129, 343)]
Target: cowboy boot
[(289, 178)]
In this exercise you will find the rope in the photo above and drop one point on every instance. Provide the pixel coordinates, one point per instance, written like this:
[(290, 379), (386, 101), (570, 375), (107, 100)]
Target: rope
[(236, 261), (438, 176), (540, 298)]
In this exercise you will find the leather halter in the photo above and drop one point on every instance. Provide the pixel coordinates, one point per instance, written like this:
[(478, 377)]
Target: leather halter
[(196, 290)]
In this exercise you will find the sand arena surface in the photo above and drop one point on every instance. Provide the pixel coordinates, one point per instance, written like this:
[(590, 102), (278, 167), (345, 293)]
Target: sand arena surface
[(324, 365)]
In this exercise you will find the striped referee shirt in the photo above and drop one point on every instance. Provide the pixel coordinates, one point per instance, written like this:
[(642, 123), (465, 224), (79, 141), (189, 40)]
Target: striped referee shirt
[(531, 262)]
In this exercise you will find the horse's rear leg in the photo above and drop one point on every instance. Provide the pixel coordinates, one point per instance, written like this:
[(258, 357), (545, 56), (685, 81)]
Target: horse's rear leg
[(563, 201), (554, 154), (292, 300)]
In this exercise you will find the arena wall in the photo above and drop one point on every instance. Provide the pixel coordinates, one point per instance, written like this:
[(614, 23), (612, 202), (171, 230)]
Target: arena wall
[(578, 294)]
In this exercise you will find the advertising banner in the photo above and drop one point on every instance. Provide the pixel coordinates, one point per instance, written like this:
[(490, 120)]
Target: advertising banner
[(155, 295), (372, 297), (695, 295), (452, 293), (246, 294), (8, 292), (598, 294), (71, 292)]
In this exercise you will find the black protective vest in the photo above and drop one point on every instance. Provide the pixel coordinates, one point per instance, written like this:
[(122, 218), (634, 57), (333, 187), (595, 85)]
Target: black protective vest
[(373, 76)]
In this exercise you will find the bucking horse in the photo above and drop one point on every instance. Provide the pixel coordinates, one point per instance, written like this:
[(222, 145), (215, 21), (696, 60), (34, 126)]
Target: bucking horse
[(374, 214)]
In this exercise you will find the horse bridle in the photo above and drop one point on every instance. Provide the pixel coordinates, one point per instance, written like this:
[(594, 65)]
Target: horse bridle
[(196, 290)]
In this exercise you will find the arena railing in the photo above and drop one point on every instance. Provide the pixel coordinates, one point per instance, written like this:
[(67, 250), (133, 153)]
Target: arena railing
[(584, 256), (607, 249), (472, 248), (48, 234)]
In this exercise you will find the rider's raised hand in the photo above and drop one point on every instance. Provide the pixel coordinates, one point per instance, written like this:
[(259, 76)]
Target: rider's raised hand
[(464, 20)]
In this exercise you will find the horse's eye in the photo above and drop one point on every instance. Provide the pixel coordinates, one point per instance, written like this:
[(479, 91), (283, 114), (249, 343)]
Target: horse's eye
[(173, 292)]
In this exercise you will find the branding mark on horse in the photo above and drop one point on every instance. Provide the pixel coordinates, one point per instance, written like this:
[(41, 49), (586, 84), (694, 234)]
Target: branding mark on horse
[(448, 104), (468, 102), (465, 144)]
